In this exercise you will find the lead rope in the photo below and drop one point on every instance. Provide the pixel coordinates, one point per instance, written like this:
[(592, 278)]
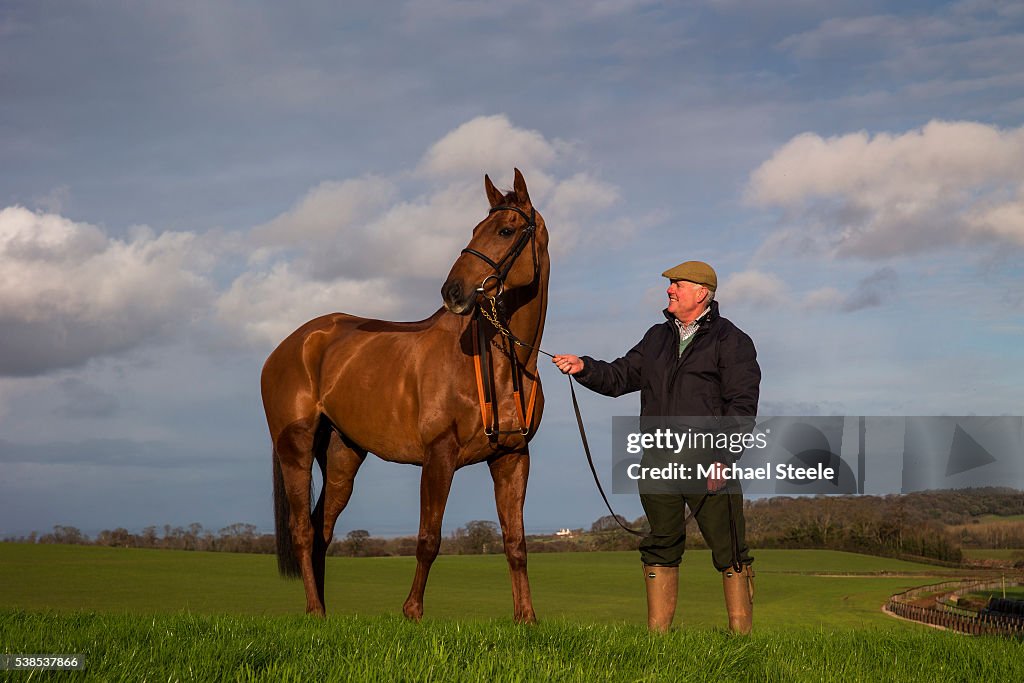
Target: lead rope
[(735, 537), (495, 320)]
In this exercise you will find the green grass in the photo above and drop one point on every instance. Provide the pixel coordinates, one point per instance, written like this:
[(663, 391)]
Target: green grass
[(999, 518), (795, 587), (166, 615), (208, 648), (1012, 593), (990, 553)]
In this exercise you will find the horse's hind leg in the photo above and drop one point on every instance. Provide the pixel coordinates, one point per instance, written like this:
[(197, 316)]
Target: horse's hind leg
[(435, 483), (294, 450), (510, 473), (342, 463)]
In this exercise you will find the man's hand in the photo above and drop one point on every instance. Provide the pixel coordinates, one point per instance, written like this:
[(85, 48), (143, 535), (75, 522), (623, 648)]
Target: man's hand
[(716, 483), (568, 364)]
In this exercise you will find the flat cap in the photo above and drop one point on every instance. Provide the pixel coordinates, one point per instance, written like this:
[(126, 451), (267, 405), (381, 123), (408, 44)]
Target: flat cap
[(694, 271)]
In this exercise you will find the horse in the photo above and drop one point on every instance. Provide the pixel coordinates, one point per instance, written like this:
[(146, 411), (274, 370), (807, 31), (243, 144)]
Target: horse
[(442, 393)]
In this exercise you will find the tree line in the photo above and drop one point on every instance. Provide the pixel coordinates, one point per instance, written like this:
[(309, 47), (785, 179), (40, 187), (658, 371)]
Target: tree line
[(476, 537), (935, 525)]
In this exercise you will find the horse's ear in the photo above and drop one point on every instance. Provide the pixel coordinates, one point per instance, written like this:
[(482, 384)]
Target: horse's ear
[(495, 197), (520, 187)]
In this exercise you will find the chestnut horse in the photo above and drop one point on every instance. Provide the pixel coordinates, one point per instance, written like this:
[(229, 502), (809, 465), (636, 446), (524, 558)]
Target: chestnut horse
[(342, 386)]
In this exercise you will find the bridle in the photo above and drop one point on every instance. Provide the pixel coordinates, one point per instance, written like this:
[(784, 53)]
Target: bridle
[(502, 267), (486, 385)]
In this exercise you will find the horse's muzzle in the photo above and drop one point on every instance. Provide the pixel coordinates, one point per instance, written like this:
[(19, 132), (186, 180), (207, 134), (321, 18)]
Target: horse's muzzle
[(458, 299)]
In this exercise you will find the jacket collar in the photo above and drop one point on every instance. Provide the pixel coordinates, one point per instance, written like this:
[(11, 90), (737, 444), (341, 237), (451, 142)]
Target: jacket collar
[(707, 319)]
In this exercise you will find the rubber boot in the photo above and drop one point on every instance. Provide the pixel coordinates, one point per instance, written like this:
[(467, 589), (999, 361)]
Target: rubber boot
[(739, 598), (662, 587)]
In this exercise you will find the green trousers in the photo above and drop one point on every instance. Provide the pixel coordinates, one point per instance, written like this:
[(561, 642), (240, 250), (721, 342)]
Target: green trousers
[(666, 511)]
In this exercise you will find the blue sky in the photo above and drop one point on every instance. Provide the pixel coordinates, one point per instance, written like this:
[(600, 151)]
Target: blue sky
[(185, 183)]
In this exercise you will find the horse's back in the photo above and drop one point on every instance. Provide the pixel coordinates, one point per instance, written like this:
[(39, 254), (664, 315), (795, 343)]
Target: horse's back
[(337, 351)]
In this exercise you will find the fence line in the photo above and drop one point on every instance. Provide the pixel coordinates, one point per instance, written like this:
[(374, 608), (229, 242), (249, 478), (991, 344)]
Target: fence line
[(948, 616)]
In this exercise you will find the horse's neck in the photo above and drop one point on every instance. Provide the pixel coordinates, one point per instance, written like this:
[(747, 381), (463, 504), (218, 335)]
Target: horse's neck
[(527, 321)]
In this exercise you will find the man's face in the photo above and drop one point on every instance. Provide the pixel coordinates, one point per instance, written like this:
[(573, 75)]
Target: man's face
[(686, 299)]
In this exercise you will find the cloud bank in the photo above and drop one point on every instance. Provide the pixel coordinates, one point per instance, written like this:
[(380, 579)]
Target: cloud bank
[(69, 292), (380, 246), (759, 289), (377, 246), (858, 195)]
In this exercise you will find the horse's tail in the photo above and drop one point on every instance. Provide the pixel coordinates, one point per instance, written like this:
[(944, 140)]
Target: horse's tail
[(287, 563)]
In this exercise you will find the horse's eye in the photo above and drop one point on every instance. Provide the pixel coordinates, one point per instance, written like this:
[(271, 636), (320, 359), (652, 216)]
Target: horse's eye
[(507, 232)]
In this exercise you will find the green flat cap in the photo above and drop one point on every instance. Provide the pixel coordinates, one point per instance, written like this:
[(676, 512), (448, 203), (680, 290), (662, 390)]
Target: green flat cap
[(694, 271)]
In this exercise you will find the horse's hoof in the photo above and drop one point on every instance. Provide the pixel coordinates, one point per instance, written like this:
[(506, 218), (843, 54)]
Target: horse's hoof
[(316, 611), (413, 612)]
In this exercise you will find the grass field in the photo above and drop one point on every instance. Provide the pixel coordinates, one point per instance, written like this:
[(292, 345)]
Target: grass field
[(1011, 593), (168, 615), (988, 519), (796, 587), (990, 553), (230, 648)]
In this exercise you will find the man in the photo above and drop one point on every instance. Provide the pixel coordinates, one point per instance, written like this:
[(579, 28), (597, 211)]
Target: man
[(696, 363)]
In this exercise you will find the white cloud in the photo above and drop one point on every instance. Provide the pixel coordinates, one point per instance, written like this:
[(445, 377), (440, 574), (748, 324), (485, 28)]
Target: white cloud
[(1003, 220), (488, 142), (372, 246), (375, 246), (758, 289), (753, 288), (267, 307), (824, 298), (326, 210), (360, 229), (876, 196), (69, 293), (577, 206), (881, 32)]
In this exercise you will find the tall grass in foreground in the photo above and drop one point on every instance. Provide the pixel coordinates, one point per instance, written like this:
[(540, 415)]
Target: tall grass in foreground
[(212, 648)]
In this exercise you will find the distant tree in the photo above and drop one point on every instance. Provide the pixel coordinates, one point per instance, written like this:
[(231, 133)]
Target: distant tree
[(118, 538), (237, 538), (616, 539), (149, 539), (66, 535), (607, 523), (405, 545), (477, 537), (356, 542), (641, 524)]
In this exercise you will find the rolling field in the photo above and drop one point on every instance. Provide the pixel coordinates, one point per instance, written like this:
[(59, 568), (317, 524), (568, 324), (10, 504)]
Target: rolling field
[(797, 587), (200, 616), (990, 553)]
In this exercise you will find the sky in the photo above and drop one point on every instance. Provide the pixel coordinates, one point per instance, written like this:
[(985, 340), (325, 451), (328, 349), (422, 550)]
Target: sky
[(183, 184)]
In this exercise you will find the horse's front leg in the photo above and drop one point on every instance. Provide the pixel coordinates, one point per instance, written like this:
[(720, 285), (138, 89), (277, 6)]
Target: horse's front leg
[(510, 473), (435, 483)]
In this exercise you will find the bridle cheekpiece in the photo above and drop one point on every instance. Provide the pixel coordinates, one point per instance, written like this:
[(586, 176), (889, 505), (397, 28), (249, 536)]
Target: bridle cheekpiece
[(502, 267)]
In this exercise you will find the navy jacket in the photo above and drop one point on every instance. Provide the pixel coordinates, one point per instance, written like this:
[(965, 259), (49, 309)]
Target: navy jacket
[(717, 375)]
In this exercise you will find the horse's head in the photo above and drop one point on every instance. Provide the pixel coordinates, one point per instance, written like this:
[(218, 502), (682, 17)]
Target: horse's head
[(505, 253)]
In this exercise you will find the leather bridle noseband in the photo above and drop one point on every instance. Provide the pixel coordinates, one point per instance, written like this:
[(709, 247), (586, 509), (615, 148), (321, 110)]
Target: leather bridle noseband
[(502, 267)]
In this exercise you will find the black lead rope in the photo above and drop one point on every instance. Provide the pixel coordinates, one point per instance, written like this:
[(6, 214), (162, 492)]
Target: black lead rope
[(597, 480), (735, 537), (590, 461)]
